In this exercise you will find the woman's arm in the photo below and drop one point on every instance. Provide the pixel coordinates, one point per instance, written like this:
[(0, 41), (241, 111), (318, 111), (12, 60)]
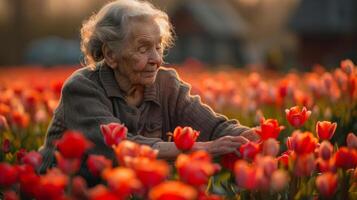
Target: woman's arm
[(220, 146), (188, 110)]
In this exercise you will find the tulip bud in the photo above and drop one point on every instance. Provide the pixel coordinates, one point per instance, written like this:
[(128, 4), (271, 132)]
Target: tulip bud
[(296, 117), (245, 175), (184, 138), (113, 133), (325, 129), (351, 141), (326, 184), (271, 147), (305, 165), (97, 163), (279, 180), (32, 158), (325, 150)]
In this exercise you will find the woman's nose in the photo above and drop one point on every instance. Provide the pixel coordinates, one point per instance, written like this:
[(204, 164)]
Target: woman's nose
[(155, 57)]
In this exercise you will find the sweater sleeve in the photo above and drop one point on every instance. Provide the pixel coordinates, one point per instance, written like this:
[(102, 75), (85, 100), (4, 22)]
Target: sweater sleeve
[(190, 111)]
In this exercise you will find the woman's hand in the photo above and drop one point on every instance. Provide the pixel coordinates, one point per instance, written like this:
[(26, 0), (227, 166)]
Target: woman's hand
[(222, 145), (251, 135)]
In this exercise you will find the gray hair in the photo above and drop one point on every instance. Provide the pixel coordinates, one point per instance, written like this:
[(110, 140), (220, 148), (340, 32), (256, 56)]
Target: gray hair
[(108, 26)]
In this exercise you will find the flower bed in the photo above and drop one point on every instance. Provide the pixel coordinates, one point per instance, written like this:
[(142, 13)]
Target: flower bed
[(305, 120)]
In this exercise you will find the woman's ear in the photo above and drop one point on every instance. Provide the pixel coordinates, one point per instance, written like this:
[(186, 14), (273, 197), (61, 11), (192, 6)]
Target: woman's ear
[(109, 56)]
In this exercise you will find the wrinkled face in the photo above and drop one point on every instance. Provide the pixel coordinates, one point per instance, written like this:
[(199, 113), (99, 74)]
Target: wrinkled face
[(142, 53)]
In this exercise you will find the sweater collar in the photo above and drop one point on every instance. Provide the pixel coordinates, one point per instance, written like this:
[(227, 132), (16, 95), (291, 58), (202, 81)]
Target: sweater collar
[(111, 87)]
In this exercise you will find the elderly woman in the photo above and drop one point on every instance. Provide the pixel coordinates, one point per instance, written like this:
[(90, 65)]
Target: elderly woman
[(124, 82)]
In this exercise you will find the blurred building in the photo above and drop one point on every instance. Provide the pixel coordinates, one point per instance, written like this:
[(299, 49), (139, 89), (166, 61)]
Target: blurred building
[(274, 33), (327, 31)]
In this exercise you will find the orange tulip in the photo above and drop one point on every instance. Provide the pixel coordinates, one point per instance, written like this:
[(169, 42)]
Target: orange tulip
[(269, 129), (296, 117), (279, 180), (326, 183), (184, 138), (113, 133), (174, 190), (347, 66), (325, 129), (303, 143), (196, 168), (122, 181), (150, 172)]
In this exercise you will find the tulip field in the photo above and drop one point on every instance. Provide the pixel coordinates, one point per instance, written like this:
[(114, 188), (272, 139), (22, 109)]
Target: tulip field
[(307, 123)]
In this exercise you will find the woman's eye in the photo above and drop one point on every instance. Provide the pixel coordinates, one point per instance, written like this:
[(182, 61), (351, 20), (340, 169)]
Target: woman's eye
[(142, 49)]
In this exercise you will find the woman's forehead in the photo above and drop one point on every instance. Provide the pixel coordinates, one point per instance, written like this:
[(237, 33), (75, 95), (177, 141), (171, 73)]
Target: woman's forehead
[(144, 31)]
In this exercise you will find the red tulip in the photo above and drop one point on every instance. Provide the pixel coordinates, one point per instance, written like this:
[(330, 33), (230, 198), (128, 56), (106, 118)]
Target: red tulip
[(10, 195), (122, 181), (184, 138), (29, 183), (303, 143), (32, 158), (346, 158), (6, 145), (173, 190), (79, 188), (296, 117), (52, 185), (67, 165), (73, 145), (228, 160), (113, 133), (325, 129), (351, 141), (269, 129), (325, 165), (326, 183), (249, 150), (20, 154), (97, 163), (196, 168), (150, 172), (9, 175), (245, 175)]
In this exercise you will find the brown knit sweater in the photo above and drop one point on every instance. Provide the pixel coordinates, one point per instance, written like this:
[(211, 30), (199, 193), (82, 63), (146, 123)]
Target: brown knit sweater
[(92, 97)]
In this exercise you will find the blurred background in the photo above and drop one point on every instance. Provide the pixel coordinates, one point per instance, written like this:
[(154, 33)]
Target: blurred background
[(274, 34)]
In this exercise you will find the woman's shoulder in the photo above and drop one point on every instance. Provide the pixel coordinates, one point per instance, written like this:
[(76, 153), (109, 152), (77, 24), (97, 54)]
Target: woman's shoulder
[(168, 75), (83, 77)]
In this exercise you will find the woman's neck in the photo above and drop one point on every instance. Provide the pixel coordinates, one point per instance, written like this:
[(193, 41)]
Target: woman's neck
[(133, 93)]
